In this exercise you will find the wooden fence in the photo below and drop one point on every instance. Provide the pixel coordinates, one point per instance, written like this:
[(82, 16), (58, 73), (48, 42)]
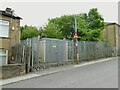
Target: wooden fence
[(22, 55)]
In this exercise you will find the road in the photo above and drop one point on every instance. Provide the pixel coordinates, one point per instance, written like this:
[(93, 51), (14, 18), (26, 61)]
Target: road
[(99, 75)]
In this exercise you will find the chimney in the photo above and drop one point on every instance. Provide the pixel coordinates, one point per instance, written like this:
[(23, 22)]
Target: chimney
[(9, 11)]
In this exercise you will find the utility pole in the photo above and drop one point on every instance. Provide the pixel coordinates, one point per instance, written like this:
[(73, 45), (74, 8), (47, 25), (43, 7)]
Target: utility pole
[(76, 41)]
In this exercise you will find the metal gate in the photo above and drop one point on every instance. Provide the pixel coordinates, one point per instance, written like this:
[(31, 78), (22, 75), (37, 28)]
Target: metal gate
[(70, 51), (53, 51)]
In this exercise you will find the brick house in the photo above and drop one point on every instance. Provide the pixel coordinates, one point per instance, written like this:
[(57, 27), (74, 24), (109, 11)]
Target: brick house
[(9, 34), (112, 34)]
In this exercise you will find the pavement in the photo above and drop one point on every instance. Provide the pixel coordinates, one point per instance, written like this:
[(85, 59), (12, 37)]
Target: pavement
[(50, 71)]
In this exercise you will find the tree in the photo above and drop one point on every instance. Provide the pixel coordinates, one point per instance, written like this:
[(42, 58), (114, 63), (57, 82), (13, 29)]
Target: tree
[(51, 31), (95, 20), (89, 26), (28, 32), (64, 24), (95, 23)]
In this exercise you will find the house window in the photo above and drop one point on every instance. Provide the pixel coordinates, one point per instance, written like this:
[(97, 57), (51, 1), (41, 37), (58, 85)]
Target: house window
[(3, 57), (4, 28)]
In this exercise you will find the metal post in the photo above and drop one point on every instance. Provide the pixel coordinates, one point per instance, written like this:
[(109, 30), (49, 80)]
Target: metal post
[(76, 41)]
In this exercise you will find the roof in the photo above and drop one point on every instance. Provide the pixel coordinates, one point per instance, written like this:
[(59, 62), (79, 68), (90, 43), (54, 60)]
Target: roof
[(112, 23), (4, 13)]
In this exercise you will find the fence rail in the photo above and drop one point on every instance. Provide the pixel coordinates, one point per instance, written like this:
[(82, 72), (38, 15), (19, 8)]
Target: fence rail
[(41, 53)]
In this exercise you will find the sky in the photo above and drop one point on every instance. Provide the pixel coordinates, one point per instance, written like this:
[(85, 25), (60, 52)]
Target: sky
[(37, 13)]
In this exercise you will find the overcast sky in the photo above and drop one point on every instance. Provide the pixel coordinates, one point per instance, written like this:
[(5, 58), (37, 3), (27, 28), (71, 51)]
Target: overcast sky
[(37, 13)]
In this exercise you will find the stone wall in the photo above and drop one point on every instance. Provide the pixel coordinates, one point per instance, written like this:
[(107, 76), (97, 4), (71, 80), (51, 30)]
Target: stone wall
[(14, 36), (11, 70)]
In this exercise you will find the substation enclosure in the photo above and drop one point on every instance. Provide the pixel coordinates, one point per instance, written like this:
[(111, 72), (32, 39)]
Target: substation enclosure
[(52, 51)]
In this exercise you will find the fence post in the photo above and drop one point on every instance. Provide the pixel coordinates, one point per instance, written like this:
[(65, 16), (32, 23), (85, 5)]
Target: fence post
[(66, 52), (44, 51)]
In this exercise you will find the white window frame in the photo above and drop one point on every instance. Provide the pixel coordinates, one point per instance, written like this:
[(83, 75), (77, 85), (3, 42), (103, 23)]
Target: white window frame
[(6, 55), (6, 24)]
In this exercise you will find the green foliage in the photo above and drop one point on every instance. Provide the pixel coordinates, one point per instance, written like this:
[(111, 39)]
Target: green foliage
[(51, 31), (95, 20), (28, 32), (89, 26), (64, 24)]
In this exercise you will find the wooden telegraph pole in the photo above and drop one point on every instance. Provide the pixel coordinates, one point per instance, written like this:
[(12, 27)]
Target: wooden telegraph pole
[(76, 41)]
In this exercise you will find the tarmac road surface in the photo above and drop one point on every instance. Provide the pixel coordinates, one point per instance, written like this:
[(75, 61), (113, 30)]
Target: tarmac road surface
[(99, 75)]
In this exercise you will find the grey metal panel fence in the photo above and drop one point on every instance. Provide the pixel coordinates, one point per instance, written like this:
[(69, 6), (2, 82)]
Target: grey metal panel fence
[(52, 51), (94, 50), (33, 43), (35, 52)]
